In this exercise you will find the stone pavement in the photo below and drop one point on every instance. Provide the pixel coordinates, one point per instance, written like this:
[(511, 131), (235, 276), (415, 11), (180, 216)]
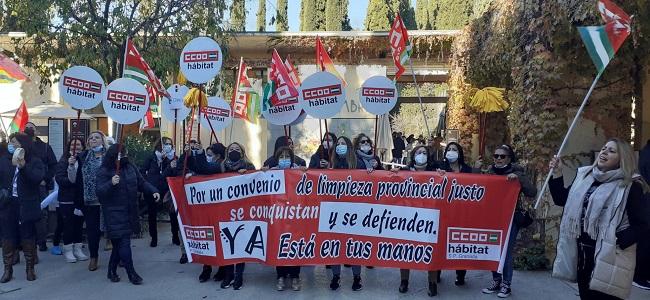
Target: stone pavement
[(165, 278)]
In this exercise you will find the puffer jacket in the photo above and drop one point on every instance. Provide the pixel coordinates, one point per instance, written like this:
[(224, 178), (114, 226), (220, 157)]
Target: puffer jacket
[(69, 192), (29, 178), (120, 202)]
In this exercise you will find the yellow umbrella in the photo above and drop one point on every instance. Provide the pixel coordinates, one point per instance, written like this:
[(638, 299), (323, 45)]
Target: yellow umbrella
[(487, 100)]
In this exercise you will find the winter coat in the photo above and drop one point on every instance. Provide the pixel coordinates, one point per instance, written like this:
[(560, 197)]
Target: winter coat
[(362, 165), (120, 202), (615, 258), (44, 151), (314, 161), (29, 178), (156, 174), (528, 189), (70, 192), (282, 142), (6, 178)]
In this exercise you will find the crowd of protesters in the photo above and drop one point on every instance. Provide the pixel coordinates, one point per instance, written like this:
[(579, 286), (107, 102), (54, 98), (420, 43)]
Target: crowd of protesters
[(98, 187)]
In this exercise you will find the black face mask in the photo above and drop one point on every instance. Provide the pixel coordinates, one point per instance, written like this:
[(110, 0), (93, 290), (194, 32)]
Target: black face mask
[(234, 156), (29, 132)]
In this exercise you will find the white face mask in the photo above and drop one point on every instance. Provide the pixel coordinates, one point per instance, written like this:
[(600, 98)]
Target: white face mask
[(209, 158), (365, 148), (420, 159), (452, 156), (327, 144)]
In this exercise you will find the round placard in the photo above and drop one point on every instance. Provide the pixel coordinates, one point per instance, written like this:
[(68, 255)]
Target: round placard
[(201, 60), (322, 95), (282, 108), (177, 93), (126, 101), (218, 113), (82, 87), (378, 95)]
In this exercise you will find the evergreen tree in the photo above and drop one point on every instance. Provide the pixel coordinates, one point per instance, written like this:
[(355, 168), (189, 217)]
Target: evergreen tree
[(261, 16), (302, 15), (422, 15), (450, 14), (406, 12), (336, 15), (281, 16), (313, 15), (378, 17), (238, 15)]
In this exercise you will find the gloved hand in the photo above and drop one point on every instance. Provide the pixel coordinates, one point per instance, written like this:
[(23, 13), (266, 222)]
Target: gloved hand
[(77, 212)]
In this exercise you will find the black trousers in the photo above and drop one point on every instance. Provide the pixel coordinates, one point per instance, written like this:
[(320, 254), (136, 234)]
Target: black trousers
[(12, 228), (235, 270), (122, 252), (642, 271), (58, 231), (586, 263), (71, 224), (288, 271), (41, 225), (152, 214), (93, 232)]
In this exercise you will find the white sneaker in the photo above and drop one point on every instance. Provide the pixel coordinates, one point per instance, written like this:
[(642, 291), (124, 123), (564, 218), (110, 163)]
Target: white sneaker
[(68, 254), (78, 252)]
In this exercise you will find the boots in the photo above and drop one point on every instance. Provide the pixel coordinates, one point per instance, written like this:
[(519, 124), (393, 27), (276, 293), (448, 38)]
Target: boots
[(133, 276), (8, 252), (16, 256), (29, 248), (92, 266), (78, 252), (112, 270), (68, 254)]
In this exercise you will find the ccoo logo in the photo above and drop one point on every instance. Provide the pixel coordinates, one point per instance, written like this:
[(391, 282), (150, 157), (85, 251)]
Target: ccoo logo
[(82, 84), (119, 96), (199, 56)]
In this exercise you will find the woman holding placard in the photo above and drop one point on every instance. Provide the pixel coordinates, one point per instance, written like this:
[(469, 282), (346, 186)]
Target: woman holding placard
[(68, 176), (118, 195), (20, 206), (321, 159), (344, 157), (90, 161)]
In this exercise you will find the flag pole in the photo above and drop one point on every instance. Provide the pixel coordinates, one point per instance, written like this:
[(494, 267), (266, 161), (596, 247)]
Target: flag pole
[(566, 137), (120, 126), (417, 90)]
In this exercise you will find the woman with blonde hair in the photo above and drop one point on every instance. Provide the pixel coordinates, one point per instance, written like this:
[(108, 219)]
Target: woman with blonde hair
[(604, 216)]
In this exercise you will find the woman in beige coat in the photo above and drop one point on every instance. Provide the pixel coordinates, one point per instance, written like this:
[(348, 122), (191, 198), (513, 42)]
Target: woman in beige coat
[(604, 216)]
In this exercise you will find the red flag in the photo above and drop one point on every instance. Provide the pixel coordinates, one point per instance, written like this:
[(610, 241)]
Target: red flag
[(293, 73), (618, 23), (325, 62), (285, 90), (137, 68), (399, 45), (148, 121), (20, 119), (245, 101)]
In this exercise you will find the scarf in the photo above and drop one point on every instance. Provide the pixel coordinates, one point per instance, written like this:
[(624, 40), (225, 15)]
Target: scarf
[(367, 159), (600, 203), (89, 171), (231, 166)]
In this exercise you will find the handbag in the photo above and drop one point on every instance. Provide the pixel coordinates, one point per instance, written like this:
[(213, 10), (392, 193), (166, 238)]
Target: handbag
[(522, 218)]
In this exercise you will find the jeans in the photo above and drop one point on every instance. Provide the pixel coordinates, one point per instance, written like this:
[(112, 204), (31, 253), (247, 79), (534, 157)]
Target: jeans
[(336, 270), (71, 224), (92, 217), (509, 265), (288, 271)]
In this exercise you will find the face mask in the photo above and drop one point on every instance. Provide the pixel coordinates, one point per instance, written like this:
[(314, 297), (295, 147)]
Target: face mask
[(167, 148), (452, 156), (29, 131), (234, 156), (502, 167), (209, 158), (170, 155), (327, 144), (284, 163), (158, 155), (99, 148), (365, 148), (420, 159), (11, 148), (341, 149)]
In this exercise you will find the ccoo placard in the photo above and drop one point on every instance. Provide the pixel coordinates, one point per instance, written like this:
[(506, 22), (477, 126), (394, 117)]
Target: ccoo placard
[(218, 113), (322, 95), (82, 87), (201, 60), (126, 101), (378, 95), (169, 105)]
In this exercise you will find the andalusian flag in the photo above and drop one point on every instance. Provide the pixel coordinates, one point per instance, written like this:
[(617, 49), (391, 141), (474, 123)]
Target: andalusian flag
[(20, 119), (602, 42), (136, 67), (10, 71), (324, 61), (246, 100)]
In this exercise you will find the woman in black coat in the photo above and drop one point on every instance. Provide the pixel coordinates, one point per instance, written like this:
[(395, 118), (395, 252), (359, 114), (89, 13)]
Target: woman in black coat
[(321, 159), (21, 208), (283, 141), (156, 169), (366, 157), (118, 195), (69, 178)]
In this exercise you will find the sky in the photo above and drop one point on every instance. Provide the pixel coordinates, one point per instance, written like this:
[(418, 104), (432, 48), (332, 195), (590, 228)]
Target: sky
[(356, 12)]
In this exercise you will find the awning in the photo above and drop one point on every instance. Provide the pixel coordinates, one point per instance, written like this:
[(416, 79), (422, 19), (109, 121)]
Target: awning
[(50, 110)]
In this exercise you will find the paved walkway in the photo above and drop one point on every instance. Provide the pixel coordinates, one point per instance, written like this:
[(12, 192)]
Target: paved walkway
[(165, 278)]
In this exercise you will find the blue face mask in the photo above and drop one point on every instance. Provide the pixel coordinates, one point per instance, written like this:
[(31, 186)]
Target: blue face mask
[(99, 148), (167, 148), (284, 163), (341, 149), (11, 148)]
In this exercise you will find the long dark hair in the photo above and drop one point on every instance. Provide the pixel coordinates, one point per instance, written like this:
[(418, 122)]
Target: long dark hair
[(322, 149), (160, 141), (358, 138), (26, 143), (111, 155), (67, 154), (350, 157), (461, 154)]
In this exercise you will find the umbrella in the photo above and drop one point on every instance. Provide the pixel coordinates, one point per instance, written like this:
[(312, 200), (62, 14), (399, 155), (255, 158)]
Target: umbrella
[(384, 138), (487, 100), (50, 110)]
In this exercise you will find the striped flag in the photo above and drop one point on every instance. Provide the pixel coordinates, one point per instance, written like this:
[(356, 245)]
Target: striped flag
[(148, 121), (245, 100), (399, 45), (136, 67), (10, 71), (293, 73), (603, 41), (325, 62), (20, 119)]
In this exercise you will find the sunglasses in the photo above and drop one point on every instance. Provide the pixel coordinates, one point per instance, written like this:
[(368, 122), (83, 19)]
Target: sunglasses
[(500, 156), (364, 142)]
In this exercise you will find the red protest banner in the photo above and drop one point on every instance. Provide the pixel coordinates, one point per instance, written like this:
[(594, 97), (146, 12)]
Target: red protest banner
[(412, 220)]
